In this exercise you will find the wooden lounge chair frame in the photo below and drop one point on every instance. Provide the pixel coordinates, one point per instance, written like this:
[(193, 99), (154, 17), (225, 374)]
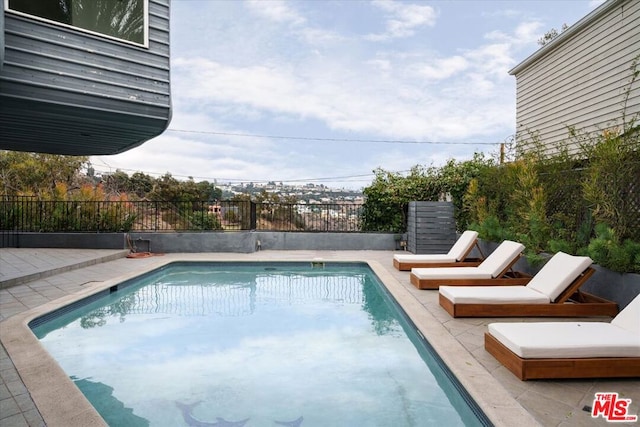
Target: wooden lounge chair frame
[(466, 261), (527, 369), (507, 277), (570, 303)]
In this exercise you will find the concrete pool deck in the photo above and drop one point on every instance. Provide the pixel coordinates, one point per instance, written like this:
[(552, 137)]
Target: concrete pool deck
[(30, 279)]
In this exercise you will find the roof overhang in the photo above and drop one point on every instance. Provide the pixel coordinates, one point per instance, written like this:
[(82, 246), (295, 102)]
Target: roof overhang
[(567, 34)]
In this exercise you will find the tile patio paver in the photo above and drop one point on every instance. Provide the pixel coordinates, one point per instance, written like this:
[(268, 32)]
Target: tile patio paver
[(552, 403)]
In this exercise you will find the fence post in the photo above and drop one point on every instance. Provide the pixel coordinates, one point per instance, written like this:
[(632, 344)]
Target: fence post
[(253, 216)]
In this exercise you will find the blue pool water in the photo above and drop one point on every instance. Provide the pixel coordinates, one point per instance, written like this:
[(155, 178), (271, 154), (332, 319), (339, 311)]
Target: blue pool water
[(253, 344)]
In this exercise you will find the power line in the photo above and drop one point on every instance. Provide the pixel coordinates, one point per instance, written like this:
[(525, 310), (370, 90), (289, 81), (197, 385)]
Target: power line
[(307, 138), (346, 178)]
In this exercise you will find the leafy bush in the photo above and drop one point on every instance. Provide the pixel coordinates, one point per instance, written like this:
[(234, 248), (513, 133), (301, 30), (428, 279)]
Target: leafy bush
[(607, 250), (387, 198), (204, 220)]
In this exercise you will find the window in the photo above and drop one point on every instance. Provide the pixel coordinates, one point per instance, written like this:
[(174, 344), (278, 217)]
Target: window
[(120, 19)]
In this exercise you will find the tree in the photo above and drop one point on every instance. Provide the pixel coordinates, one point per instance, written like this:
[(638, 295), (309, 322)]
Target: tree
[(551, 34), (141, 184), (456, 177), (117, 183), (388, 197), (166, 188), (38, 174)]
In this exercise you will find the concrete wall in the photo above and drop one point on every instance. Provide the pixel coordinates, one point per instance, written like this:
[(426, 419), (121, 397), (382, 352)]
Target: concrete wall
[(71, 240), (240, 242), (326, 241)]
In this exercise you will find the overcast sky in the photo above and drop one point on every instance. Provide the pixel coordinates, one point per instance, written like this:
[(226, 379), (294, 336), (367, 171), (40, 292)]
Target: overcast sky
[(327, 91)]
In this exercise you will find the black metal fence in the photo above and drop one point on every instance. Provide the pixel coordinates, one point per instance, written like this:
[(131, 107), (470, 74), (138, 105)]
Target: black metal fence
[(26, 214)]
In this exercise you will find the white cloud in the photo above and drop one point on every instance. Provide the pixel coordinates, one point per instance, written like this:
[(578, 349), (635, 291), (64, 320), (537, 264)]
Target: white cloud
[(444, 68), (292, 68), (595, 3), (279, 11), (403, 19), (340, 97), (525, 33)]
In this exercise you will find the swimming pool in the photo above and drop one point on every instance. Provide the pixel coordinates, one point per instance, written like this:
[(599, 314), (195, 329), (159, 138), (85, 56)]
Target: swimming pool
[(253, 344)]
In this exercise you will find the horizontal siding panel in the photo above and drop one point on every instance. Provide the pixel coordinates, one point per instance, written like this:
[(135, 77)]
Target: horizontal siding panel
[(581, 82), (41, 37), (612, 79), (102, 68), (593, 45), (609, 93), (62, 87), (122, 83), (618, 64), (81, 86), (430, 227), (580, 76)]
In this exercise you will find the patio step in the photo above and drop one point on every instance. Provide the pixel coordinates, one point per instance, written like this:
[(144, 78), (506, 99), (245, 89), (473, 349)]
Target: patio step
[(18, 266)]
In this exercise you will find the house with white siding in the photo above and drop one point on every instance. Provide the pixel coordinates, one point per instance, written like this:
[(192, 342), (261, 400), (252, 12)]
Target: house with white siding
[(581, 79)]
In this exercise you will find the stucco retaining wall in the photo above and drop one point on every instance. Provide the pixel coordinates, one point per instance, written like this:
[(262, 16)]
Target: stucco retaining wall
[(241, 241)]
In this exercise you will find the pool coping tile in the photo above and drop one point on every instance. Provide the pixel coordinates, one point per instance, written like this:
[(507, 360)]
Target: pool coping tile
[(506, 400)]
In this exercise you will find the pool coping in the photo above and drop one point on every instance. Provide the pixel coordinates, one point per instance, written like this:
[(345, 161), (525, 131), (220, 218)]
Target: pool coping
[(60, 402)]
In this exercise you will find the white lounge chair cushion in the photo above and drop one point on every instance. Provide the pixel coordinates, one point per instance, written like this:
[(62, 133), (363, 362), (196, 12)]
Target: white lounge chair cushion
[(490, 268), (463, 245), (456, 253), (566, 339), (424, 258), (492, 295), (450, 273), (501, 257), (558, 273), (629, 317)]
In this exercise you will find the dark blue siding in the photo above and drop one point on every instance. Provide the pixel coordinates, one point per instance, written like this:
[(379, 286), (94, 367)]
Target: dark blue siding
[(66, 91)]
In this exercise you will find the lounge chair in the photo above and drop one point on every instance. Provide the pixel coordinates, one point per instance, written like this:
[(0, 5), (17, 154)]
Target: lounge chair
[(494, 270), (458, 255), (553, 292), (569, 349)]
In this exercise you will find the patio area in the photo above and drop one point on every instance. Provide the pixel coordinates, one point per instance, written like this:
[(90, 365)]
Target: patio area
[(30, 278)]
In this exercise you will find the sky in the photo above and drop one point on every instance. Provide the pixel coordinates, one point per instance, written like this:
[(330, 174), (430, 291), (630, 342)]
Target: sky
[(326, 92)]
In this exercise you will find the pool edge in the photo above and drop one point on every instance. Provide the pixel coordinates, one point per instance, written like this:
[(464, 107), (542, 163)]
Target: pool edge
[(501, 408), (39, 371)]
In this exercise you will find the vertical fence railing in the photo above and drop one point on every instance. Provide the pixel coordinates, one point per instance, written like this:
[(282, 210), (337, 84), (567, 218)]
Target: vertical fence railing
[(21, 214)]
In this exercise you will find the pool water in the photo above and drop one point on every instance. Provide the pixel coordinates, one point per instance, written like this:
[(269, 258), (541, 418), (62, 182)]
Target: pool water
[(253, 344)]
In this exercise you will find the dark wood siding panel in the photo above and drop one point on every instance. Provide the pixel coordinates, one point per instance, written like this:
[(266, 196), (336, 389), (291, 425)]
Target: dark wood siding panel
[(431, 227), (94, 90), (60, 86), (159, 27), (73, 130), (1, 41)]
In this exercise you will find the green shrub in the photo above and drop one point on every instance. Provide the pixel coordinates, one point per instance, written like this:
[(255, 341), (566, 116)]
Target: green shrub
[(607, 251)]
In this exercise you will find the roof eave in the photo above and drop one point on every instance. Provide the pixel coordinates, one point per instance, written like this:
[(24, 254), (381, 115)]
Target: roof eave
[(567, 34)]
